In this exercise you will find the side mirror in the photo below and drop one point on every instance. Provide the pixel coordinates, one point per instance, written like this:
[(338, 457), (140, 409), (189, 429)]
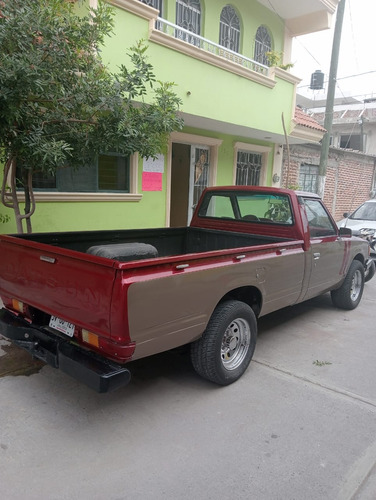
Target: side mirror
[(346, 214), (345, 232)]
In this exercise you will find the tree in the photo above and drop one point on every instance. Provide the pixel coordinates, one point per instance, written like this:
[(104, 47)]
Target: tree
[(61, 106)]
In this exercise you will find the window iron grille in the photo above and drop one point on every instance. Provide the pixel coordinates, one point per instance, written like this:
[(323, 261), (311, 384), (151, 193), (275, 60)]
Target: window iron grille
[(188, 16), (229, 29), (201, 173), (308, 178), (263, 44), (248, 168), (157, 4)]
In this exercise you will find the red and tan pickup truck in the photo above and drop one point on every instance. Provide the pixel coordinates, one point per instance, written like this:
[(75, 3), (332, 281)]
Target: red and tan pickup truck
[(90, 302)]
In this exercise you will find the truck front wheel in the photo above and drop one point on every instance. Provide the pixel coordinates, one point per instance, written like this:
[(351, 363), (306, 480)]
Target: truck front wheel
[(370, 271), (225, 349), (349, 294)]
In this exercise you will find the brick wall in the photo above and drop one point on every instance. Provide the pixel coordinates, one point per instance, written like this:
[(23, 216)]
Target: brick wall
[(349, 176)]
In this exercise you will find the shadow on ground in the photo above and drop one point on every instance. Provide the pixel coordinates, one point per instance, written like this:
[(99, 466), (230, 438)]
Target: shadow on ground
[(16, 361)]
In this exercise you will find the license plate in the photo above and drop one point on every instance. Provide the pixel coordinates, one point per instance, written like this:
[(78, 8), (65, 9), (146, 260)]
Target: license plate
[(62, 326)]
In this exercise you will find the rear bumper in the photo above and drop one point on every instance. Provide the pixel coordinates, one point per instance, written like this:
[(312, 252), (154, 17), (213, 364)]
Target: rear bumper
[(97, 373)]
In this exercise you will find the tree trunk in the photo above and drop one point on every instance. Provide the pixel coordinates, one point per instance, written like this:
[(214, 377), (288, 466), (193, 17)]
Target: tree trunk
[(9, 195), (29, 199)]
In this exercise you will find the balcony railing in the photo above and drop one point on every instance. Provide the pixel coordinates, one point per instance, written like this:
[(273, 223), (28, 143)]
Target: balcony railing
[(202, 43)]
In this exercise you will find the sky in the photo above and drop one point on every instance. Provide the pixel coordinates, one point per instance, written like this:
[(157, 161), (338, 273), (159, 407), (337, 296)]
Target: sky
[(356, 75)]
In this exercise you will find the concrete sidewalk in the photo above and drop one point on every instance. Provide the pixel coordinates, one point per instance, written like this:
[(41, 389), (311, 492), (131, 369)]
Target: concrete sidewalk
[(300, 424)]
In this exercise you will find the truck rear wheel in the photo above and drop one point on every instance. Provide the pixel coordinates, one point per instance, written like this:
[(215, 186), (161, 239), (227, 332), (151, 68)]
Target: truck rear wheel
[(225, 349), (349, 294)]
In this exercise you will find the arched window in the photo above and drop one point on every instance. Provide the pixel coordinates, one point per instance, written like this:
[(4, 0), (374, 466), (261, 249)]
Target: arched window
[(157, 4), (229, 29), (263, 44), (188, 16)]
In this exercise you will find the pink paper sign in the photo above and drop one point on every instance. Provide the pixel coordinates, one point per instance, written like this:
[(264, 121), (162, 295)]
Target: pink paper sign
[(151, 181)]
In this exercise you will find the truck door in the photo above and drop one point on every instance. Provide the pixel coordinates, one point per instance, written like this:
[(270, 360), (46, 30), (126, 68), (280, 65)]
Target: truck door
[(327, 251)]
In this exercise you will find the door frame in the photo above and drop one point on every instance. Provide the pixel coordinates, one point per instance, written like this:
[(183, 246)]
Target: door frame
[(191, 140)]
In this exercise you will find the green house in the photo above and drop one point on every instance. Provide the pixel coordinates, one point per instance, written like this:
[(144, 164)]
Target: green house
[(236, 109)]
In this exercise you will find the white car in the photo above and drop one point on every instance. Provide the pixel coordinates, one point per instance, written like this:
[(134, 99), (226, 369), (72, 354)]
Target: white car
[(364, 217), (363, 223)]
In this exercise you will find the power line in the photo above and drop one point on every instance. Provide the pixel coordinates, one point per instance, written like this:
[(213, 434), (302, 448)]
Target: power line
[(307, 50), (353, 37)]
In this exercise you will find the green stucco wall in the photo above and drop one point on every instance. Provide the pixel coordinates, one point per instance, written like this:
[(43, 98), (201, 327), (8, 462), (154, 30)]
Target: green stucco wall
[(213, 92)]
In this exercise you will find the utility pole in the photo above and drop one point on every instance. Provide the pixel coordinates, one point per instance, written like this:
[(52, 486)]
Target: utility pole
[(330, 98)]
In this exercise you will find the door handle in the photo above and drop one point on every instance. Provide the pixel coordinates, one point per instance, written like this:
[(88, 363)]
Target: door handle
[(240, 257), (181, 266), (316, 255)]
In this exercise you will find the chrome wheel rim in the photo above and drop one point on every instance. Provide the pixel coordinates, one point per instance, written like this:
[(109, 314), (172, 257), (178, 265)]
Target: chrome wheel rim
[(356, 285), (235, 343)]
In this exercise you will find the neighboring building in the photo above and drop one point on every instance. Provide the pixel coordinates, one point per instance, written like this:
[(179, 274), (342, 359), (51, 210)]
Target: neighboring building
[(350, 176), (233, 104), (354, 122), (354, 125), (349, 181)]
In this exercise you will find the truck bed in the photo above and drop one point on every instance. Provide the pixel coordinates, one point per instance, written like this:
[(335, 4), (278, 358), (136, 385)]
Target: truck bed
[(167, 241)]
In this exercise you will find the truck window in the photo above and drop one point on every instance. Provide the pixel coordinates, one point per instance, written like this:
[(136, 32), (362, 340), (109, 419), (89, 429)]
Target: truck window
[(272, 208), (319, 221), (254, 207), (219, 206)]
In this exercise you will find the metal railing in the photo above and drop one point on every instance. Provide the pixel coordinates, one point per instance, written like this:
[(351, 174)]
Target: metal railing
[(209, 46)]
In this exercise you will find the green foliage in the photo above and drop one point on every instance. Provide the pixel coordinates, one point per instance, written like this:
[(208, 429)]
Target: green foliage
[(59, 104), (279, 210), (4, 218), (275, 59)]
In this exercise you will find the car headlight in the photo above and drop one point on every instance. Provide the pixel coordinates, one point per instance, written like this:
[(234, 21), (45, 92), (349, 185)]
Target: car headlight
[(366, 232)]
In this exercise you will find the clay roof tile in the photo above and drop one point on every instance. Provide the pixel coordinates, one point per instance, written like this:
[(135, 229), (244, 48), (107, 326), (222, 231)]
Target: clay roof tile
[(304, 120)]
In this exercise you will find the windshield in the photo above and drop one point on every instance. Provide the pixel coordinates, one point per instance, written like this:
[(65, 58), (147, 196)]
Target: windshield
[(367, 211)]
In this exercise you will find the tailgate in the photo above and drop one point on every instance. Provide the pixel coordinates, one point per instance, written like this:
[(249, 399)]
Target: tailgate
[(64, 283)]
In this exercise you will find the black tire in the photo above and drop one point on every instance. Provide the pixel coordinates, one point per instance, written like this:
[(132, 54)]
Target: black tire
[(225, 349), (350, 293), (370, 272)]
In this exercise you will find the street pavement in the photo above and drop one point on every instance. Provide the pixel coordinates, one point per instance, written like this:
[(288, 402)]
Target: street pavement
[(299, 425)]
